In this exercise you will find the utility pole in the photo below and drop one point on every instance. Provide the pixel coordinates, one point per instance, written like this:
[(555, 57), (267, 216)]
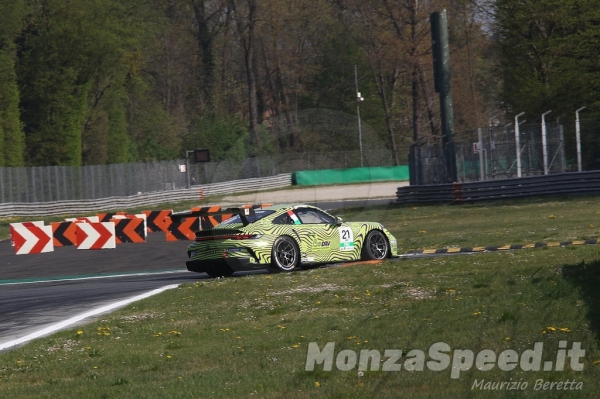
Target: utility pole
[(441, 69), (359, 100)]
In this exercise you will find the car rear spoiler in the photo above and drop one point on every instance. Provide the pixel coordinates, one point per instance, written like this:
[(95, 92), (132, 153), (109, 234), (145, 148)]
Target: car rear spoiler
[(247, 214)]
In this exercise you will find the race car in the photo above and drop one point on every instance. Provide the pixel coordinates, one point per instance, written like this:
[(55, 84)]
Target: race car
[(281, 239)]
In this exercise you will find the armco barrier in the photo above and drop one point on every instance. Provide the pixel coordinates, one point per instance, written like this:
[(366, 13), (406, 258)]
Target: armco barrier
[(149, 199), (352, 175), (554, 184)]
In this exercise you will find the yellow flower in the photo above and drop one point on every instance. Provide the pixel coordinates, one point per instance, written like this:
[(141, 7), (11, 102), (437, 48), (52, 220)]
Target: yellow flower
[(294, 346), (552, 217), (317, 384), (551, 328), (282, 327), (564, 329), (168, 356), (79, 332)]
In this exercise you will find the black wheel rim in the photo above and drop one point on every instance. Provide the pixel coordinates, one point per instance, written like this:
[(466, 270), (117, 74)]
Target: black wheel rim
[(285, 253), (378, 246)]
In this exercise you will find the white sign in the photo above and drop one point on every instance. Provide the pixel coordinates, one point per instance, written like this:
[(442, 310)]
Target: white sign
[(346, 239)]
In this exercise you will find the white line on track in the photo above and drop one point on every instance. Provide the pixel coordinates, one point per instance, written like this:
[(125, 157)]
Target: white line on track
[(94, 312), (59, 279)]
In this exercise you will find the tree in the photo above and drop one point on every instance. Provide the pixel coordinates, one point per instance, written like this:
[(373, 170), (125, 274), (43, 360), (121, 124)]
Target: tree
[(12, 139), (548, 53)]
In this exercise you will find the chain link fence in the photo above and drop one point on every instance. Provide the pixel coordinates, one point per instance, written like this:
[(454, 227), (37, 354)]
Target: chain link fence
[(63, 183), (491, 153)]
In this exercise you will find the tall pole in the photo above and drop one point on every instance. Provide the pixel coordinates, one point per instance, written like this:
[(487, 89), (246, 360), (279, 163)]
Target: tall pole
[(481, 159), (187, 167), (441, 69), (578, 137), (359, 99), (544, 142), (518, 143)]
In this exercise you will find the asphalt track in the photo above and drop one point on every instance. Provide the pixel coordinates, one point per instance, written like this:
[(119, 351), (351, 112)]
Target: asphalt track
[(40, 290)]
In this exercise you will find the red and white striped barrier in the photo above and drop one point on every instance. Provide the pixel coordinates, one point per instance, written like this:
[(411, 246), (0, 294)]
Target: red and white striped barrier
[(136, 216), (87, 219), (31, 238), (96, 235)]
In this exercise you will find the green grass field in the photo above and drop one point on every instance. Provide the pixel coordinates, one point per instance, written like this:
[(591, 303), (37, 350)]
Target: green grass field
[(249, 336)]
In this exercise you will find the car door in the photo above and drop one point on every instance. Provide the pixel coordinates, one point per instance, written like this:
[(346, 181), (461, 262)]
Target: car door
[(327, 240)]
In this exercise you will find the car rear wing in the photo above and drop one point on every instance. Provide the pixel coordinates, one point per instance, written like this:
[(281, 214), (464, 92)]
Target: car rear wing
[(246, 212)]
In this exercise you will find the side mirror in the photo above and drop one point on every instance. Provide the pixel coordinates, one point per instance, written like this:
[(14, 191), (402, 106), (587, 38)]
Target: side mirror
[(338, 221)]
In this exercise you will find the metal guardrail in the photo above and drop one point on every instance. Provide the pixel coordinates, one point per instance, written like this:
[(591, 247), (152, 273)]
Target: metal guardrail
[(555, 184), (147, 199)]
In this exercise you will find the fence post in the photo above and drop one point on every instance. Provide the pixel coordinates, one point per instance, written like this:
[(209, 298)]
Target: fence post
[(545, 142), (33, 184), (481, 160)]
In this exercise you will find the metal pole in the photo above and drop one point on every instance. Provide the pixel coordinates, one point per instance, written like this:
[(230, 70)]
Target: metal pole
[(578, 137), (187, 168), (481, 161), (441, 68), (544, 142), (518, 143), (359, 99)]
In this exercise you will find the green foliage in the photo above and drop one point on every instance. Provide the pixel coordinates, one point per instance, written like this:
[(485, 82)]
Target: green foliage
[(549, 54), (11, 132), (226, 138)]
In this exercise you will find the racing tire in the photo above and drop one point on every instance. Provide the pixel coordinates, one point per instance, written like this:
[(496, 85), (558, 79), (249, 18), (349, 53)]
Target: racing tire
[(375, 246), (223, 271), (285, 255)]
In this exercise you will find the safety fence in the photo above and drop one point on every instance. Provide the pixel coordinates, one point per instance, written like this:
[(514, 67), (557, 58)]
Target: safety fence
[(555, 184), (69, 183), (195, 193), (492, 153)]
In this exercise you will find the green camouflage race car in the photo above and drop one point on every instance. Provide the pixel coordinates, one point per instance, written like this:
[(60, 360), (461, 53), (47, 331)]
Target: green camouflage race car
[(283, 238)]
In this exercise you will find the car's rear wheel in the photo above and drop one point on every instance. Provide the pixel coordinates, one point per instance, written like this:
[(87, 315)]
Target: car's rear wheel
[(375, 246), (285, 255), (220, 271)]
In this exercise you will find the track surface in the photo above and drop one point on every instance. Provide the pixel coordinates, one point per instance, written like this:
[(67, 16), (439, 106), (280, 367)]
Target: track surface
[(43, 289)]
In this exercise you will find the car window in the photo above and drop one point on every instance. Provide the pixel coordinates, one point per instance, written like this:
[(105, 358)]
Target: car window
[(283, 219), (313, 216), (260, 213)]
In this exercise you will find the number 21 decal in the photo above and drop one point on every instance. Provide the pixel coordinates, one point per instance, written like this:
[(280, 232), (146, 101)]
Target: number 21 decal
[(346, 239)]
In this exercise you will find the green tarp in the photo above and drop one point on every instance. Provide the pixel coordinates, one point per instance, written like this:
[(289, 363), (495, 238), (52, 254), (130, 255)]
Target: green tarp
[(353, 175)]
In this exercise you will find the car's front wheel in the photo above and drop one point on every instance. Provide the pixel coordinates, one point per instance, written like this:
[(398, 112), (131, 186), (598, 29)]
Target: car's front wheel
[(285, 255), (375, 246)]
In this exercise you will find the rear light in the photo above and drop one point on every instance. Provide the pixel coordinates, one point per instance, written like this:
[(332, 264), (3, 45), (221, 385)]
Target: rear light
[(230, 237)]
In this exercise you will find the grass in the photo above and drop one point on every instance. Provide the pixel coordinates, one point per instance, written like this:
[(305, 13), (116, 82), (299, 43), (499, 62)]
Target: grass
[(248, 336), (485, 224)]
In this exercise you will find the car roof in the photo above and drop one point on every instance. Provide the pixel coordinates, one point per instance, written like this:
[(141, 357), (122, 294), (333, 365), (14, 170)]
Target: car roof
[(289, 206)]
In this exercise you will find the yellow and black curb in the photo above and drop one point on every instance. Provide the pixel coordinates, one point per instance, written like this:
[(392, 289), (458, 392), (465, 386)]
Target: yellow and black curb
[(500, 248)]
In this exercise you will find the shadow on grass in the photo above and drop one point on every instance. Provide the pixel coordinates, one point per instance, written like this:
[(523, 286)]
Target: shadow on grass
[(586, 276)]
